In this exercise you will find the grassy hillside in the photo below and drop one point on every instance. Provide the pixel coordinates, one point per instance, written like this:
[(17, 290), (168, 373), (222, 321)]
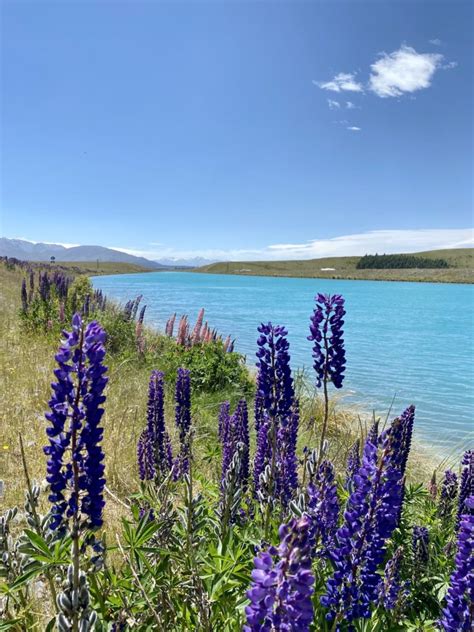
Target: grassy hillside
[(460, 260)]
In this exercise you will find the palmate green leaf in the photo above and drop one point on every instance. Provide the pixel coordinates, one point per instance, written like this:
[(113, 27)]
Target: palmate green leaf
[(33, 571)]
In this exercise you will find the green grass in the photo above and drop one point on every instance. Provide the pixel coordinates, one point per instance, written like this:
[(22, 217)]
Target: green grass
[(460, 260)]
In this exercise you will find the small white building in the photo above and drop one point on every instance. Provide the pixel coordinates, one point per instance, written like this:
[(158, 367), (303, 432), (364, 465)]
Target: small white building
[(328, 269)]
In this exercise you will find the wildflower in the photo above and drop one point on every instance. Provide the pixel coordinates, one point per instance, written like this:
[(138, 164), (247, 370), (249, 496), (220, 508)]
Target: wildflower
[(182, 336), (466, 487), (449, 491), (75, 469), (24, 297), (183, 420), (389, 589), (196, 335), (353, 464), (370, 517), (170, 325), (458, 615), (323, 505), (234, 435), (420, 542), (276, 414), (146, 467), (282, 582), (224, 414), (327, 334)]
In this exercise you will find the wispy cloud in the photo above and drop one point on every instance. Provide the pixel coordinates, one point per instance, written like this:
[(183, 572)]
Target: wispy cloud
[(334, 105), (350, 105), (402, 71), (354, 128), (435, 42), (387, 241), (342, 82)]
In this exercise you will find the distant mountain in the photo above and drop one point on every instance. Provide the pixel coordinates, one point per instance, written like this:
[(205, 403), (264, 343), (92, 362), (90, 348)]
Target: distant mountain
[(194, 262), (26, 250)]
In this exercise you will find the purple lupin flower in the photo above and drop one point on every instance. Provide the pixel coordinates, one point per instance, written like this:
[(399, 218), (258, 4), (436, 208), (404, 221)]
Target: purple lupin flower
[(234, 434), (224, 415), (458, 614), (145, 458), (24, 297), (276, 413), (75, 468), (282, 582), (323, 506), (243, 438), (466, 488), (160, 441), (370, 517), (390, 586), (327, 334), (420, 543), (449, 492), (183, 421), (353, 465)]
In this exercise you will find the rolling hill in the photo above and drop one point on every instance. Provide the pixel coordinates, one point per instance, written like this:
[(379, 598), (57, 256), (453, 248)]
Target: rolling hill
[(28, 251), (460, 261)]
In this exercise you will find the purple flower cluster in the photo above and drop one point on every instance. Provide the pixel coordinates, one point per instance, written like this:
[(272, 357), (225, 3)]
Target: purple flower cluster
[(323, 506), (370, 517), (162, 453), (75, 468), (146, 467), (282, 582), (390, 586), (458, 615), (276, 415), (326, 330), (466, 488), (449, 492), (234, 435), (183, 422), (353, 465), (420, 544)]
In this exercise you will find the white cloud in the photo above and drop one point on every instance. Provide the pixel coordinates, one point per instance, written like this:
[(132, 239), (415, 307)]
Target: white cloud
[(435, 42), (402, 71), (350, 105), (334, 105), (341, 82), (381, 241), (353, 128)]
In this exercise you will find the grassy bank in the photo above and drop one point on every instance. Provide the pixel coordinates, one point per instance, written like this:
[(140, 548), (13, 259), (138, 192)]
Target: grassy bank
[(460, 270), (179, 550)]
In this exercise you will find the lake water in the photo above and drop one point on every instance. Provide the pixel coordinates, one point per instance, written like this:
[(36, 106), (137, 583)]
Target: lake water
[(407, 342)]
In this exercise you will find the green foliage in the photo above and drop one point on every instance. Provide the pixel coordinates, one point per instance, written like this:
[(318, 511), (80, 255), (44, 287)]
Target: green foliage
[(212, 368), (172, 569), (383, 262)]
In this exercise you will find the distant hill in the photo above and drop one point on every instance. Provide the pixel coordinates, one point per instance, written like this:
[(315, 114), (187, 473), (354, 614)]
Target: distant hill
[(460, 261), (25, 250), (193, 262)]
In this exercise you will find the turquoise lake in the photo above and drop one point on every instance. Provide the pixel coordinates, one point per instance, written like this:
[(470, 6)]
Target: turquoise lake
[(406, 342)]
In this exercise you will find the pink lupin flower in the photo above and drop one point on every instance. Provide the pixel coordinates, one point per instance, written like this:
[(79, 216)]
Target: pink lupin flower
[(196, 336)]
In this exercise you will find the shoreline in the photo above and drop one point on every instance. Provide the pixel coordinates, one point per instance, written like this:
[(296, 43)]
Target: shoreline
[(331, 278)]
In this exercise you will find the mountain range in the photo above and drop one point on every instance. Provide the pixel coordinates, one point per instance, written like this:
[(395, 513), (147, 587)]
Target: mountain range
[(29, 251)]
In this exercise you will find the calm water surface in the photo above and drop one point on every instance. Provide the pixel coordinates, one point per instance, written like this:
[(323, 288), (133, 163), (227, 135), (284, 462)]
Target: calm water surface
[(408, 341)]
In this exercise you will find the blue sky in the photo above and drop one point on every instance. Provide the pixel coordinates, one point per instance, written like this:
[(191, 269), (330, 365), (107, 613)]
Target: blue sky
[(223, 129)]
